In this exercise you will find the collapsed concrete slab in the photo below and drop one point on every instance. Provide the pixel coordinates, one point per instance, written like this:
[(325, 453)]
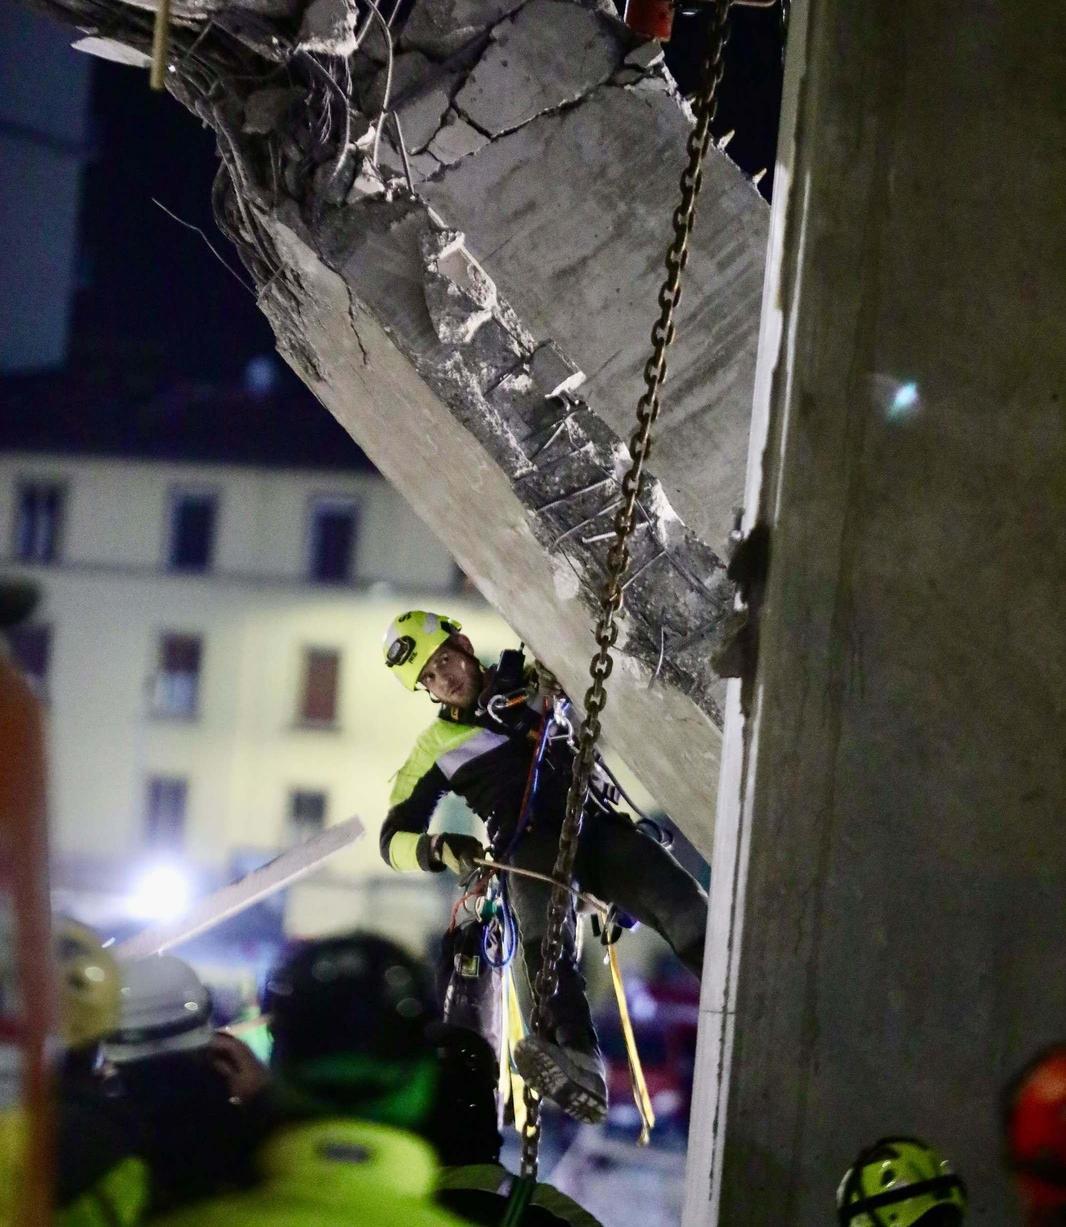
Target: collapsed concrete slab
[(446, 298)]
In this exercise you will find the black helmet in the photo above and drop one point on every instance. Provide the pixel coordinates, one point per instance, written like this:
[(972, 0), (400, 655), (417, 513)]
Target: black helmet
[(354, 994)]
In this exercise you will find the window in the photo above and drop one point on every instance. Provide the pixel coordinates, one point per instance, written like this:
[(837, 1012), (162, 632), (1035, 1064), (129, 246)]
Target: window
[(177, 678), (332, 546), (318, 702), (192, 531), (39, 521), (307, 815), (31, 647), (164, 820)]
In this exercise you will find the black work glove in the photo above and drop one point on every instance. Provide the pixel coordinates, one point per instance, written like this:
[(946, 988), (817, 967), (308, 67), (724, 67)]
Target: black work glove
[(450, 851)]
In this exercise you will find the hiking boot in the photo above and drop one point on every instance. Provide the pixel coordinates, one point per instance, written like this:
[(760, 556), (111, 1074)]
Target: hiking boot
[(571, 1078)]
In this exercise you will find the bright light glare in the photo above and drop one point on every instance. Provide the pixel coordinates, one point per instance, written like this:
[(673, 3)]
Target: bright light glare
[(162, 893), (906, 398)]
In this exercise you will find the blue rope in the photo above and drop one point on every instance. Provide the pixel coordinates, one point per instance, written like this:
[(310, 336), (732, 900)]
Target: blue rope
[(507, 938)]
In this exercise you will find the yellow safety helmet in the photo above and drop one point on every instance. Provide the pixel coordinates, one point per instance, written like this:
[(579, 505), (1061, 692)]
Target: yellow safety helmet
[(411, 640), (88, 984), (901, 1182)]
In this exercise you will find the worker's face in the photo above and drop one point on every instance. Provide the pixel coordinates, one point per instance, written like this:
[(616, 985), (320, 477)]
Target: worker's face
[(452, 674)]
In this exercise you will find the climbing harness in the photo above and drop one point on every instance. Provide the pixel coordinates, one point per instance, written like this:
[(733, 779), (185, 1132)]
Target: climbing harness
[(618, 555), (608, 925)]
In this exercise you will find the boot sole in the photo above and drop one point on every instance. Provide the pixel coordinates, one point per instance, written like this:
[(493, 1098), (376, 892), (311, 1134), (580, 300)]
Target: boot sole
[(551, 1079)]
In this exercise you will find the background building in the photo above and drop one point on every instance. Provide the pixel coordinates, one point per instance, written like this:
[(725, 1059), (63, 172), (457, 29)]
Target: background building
[(208, 647)]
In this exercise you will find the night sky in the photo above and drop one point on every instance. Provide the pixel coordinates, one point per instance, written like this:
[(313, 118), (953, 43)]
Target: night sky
[(156, 310)]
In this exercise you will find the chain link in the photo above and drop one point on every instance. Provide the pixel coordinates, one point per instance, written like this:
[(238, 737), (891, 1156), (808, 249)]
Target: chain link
[(547, 980)]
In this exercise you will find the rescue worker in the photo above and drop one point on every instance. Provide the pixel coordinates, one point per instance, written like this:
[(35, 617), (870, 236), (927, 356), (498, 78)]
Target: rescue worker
[(1035, 1136), (348, 1018), (355, 1034), (98, 1178), (173, 1077), (901, 1182), (483, 750)]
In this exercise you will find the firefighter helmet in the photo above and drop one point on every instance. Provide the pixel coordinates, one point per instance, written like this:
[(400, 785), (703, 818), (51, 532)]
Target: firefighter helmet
[(900, 1182), (348, 1016), (165, 1008), (411, 640), (1035, 1128)]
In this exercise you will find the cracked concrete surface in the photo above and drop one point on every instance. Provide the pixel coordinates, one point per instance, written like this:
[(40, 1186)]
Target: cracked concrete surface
[(509, 86)]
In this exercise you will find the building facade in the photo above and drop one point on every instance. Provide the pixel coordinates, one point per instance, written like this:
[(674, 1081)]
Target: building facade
[(208, 649)]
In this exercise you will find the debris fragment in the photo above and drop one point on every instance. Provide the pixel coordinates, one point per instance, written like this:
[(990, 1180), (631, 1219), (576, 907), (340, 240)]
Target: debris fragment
[(457, 139), (328, 27), (553, 372)]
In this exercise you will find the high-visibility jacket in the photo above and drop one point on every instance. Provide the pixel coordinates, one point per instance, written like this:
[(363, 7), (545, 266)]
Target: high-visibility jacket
[(488, 766), (116, 1195), (331, 1173)]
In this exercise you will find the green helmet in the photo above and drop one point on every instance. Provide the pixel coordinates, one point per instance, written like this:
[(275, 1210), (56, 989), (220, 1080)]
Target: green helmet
[(411, 640), (899, 1182)]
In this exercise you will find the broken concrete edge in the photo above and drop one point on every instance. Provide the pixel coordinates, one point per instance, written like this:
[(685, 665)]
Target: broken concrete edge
[(353, 364), (561, 493), (562, 460)]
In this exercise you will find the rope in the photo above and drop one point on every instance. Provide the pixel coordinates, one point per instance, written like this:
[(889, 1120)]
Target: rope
[(636, 1071), (588, 900), (618, 556)]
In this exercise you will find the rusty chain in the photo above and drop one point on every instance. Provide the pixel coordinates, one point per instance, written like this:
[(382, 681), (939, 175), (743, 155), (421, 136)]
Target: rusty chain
[(547, 980)]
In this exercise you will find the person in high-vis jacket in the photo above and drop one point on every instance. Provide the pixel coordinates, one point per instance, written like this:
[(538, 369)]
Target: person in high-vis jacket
[(352, 1075), (483, 750), (98, 1177), (364, 1076)]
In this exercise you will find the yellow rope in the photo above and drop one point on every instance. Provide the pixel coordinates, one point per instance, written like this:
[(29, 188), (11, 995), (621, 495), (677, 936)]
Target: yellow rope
[(636, 1071), (514, 1029)]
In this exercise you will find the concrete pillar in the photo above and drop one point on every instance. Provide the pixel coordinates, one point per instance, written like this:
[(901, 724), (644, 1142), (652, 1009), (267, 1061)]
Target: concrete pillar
[(888, 930)]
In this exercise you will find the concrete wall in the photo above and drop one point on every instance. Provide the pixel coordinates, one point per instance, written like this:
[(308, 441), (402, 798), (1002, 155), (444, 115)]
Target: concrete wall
[(886, 942)]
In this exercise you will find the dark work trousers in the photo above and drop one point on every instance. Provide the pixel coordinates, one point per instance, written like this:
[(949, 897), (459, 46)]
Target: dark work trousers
[(618, 864)]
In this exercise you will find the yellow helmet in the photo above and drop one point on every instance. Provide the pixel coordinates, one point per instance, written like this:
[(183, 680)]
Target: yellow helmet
[(901, 1182), (88, 984), (411, 640)]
